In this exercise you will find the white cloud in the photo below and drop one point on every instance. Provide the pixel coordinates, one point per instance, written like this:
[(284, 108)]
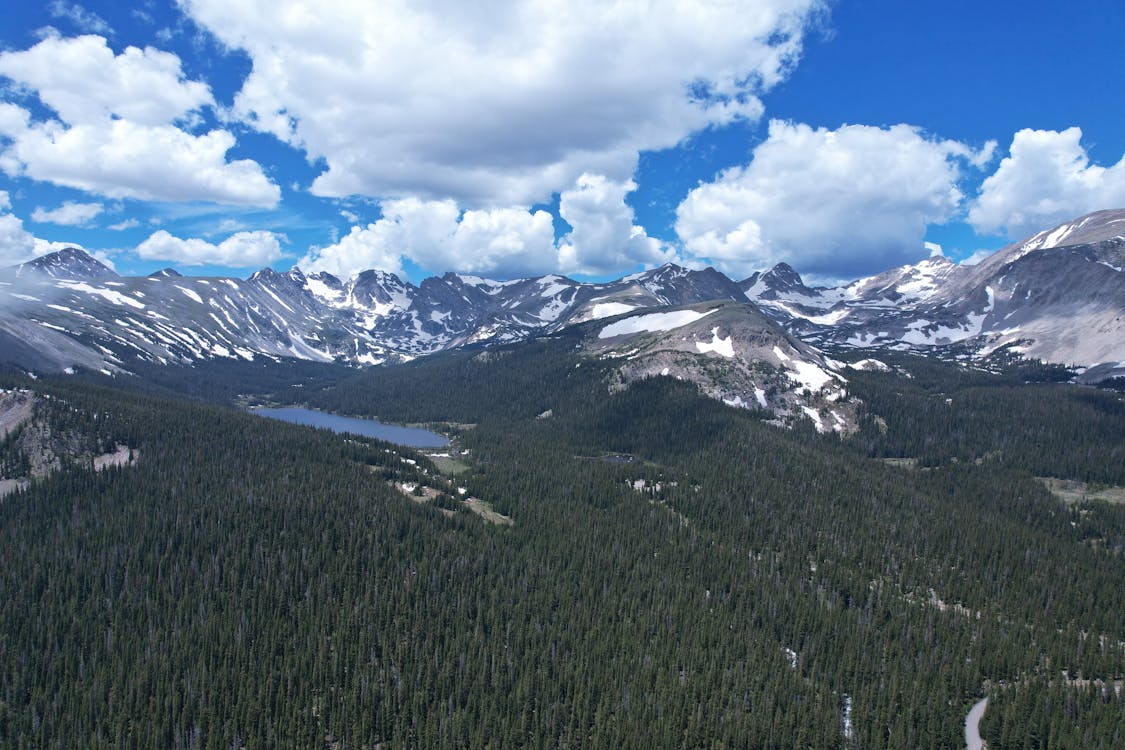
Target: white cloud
[(934, 249), (976, 257), (17, 245), (68, 214), (603, 237), (512, 241), (229, 226), (116, 132), (438, 236), (832, 203), (1046, 179), (498, 103), (240, 250), (117, 161), (84, 19), (360, 249), (83, 81), (123, 225)]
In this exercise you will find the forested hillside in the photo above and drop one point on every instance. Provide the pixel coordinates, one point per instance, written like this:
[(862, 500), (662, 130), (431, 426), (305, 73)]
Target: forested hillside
[(679, 573)]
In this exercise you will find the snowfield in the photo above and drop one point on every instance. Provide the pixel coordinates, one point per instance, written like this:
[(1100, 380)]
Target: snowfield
[(807, 374), (652, 323), (116, 298), (609, 309), (724, 347)]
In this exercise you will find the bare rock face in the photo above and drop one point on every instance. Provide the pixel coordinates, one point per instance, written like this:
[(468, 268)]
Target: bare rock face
[(734, 354), (33, 445)]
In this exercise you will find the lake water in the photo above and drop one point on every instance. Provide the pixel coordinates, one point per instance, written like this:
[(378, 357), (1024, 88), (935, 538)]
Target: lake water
[(411, 437)]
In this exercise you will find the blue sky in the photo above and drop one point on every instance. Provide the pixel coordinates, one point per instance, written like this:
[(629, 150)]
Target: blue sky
[(842, 137)]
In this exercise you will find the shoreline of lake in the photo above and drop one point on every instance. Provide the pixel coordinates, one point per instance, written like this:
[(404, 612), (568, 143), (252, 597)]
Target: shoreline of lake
[(410, 437)]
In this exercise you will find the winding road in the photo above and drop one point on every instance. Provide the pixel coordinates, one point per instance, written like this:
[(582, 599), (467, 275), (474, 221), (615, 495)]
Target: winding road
[(972, 725)]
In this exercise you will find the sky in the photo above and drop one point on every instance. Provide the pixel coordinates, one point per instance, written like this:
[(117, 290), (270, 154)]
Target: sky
[(586, 138)]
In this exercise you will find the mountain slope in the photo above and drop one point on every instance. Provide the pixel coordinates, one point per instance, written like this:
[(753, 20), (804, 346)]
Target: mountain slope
[(83, 314), (1058, 296), (734, 354)]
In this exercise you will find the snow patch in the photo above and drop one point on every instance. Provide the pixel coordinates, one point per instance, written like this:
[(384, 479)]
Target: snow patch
[(723, 347), (652, 323), (827, 319), (322, 291), (191, 293), (874, 365), (553, 289), (814, 415), (609, 309), (808, 374), (61, 308), (116, 298)]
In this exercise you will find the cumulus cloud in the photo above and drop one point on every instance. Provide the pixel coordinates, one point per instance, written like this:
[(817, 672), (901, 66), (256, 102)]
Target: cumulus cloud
[(832, 203), (498, 103), (241, 250), (437, 235), (70, 213), (1046, 179), (17, 245), (511, 241), (118, 130), (603, 237), (83, 81)]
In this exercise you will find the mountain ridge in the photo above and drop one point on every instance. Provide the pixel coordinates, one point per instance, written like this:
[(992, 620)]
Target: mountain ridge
[(1057, 296)]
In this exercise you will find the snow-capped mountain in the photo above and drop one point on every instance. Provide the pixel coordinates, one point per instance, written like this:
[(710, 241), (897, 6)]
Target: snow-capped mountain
[(1058, 296), (80, 313), (67, 263), (67, 309), (734, 353)]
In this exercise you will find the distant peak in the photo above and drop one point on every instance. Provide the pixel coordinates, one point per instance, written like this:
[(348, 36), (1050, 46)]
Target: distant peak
[(165, 273), (670, 269), (70, 262), (378, 275), (935, 260), (326, 277), (265, 274), (782, 277)]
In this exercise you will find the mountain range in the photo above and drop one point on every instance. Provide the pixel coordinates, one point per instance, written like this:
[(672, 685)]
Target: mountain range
[(1058, 297)]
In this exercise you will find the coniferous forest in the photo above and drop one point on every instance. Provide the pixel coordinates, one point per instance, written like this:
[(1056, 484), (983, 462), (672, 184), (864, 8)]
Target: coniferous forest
[(677, 573)]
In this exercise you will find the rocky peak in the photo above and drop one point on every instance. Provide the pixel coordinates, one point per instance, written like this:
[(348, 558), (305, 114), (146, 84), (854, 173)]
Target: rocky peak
[(68, 263)]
